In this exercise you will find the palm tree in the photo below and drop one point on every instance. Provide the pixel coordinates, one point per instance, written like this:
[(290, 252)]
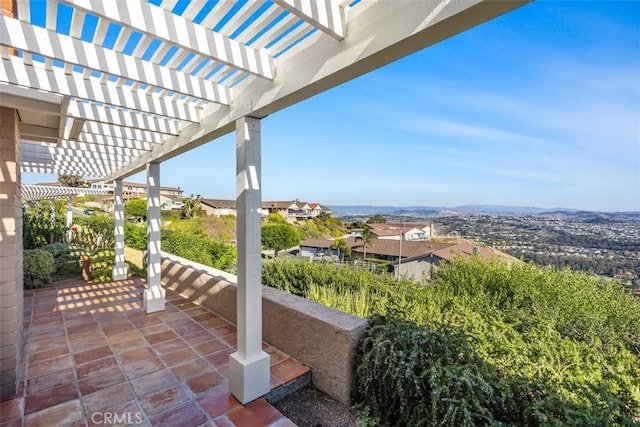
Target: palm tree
[(368, 238), (341, 245)]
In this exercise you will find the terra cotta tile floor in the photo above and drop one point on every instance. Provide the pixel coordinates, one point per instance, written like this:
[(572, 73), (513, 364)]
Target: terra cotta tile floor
[(93, 357)]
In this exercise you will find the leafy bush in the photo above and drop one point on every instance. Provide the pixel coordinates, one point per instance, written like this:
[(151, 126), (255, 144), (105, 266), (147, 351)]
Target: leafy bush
[(412, 376), (135, 236), (38, 268), (38, 227), (94, 233), (60, 252), (495, 344), (199, 248)]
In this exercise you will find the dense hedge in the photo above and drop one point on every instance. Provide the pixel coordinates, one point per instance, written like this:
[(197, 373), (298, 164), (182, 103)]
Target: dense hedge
[(486, 343), (38, 268), (135, 235), (199, 248)]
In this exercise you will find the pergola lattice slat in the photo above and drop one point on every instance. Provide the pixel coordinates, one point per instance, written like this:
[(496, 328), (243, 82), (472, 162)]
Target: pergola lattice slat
[(50, 44), (15, 71), (149, 19), (327, 15), (32, 192)]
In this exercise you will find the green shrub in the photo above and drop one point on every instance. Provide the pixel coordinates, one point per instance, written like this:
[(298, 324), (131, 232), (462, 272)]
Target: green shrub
[(496, 344), (61, 254), (199, 248), (38, 268), (411, 376), (135, 236)]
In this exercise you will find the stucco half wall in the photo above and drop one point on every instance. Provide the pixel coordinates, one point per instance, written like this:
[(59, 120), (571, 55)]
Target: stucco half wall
[(320, 337)]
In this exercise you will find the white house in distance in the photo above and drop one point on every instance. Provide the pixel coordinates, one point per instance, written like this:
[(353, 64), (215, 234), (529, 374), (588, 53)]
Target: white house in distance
[(409, 231)]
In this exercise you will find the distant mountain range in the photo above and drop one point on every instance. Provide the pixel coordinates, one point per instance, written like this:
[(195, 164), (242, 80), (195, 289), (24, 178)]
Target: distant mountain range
[(431, 212)]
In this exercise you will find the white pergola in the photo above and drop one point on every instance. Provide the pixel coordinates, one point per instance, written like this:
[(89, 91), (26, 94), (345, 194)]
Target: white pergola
[(111, 88)]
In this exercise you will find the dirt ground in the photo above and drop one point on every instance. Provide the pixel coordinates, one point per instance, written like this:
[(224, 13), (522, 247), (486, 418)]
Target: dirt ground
[(310, 407)]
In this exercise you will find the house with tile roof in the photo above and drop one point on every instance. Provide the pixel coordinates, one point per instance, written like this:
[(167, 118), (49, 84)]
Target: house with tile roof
[(413, 259)]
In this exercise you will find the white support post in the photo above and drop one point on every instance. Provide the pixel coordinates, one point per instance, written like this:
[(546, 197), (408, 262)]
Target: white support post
[(249, 366), (69, 222), (120, 267), (154, 294)]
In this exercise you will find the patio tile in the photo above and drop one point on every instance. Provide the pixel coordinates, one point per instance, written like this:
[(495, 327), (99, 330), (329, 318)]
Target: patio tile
[(65, 414), (210, 347), (161, 337), (198, 337), (178, 357), (50, 365), (11, 409), (51, 397), (153, 382), (218, 402), (49, 381), (87, 344), (205, 382), (48, 354), (136, 355), (220, 358), (163, 399), (288, 370), (189, 329), (256, 414), (125, 346), (169, 346), (93, 354), (117, 328), (101, 380), (143, 367), (191, 369), (95, 367), (187, 414), (107, 397)]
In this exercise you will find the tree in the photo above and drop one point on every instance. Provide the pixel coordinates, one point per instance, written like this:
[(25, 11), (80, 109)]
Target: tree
[(191, 206), (377, 219), (136, 208), (70, 180), (279, 237), (368, 238), (341, 245)]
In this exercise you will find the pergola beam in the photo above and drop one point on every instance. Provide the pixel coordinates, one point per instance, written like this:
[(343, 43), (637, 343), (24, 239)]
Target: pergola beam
[(164, 25), (119, 117), (326, 15)]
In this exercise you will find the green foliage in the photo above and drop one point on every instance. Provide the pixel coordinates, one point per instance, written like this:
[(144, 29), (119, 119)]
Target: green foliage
[(191, 206), (136, 208), (38, 268), (412, 376), (377, 219), (199, 248), (135, 235), (70, 180), (486, 343), (60, 252), (276, 218), (93, 233), (38, 227), (279, 237), (322, 226)]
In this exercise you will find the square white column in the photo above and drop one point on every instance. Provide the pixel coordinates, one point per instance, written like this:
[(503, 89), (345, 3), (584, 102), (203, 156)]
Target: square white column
[(154, 294), (249, 366), (120, 267)]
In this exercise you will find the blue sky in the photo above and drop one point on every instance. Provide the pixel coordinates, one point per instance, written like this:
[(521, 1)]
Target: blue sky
[(540, 107)]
